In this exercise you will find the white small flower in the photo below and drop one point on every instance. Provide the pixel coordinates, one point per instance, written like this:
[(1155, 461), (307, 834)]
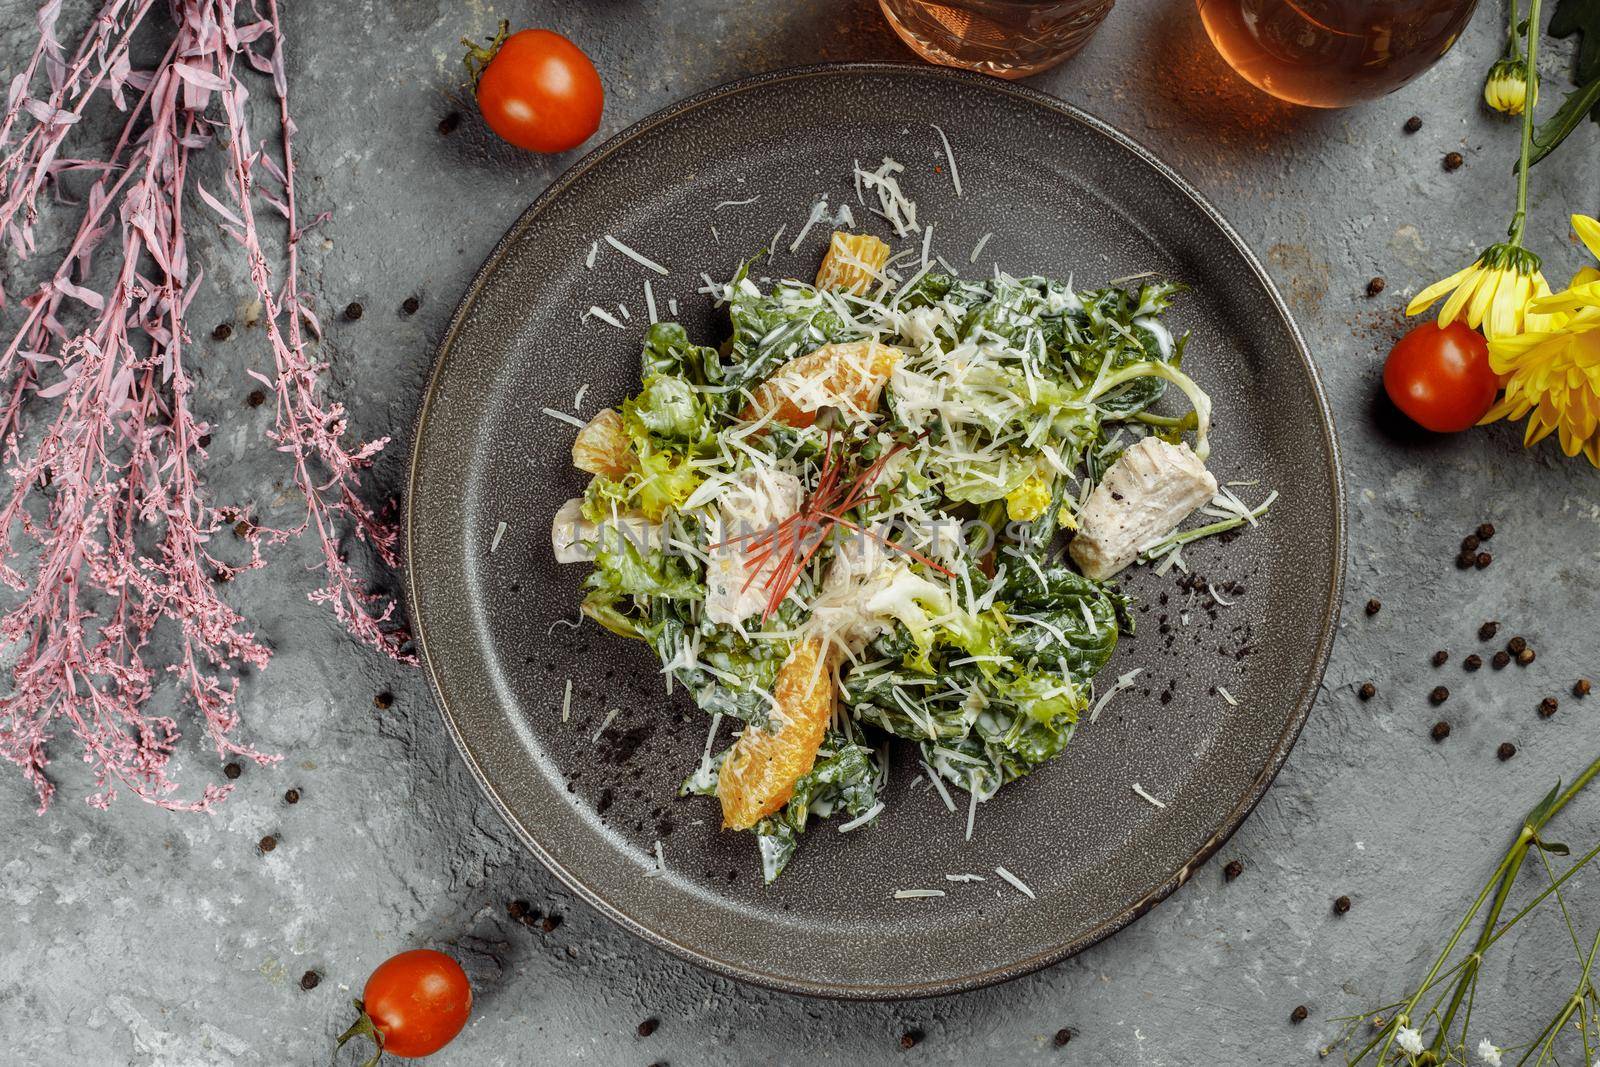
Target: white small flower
[(1409, 1040), (1489, 1053)]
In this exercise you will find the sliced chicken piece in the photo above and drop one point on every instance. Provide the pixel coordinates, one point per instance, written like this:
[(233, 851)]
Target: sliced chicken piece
[(575, 538), (758, 500), (848, 376), (1149, 490)]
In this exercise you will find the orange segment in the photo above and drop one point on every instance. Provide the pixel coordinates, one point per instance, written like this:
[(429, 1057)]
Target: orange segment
[(854, 262), (845, 376), (759, 772), (602, 446)]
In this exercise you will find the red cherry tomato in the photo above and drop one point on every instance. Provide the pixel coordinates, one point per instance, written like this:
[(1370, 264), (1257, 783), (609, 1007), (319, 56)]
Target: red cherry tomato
[(414, 1004), (538, 91), (1440, 376)]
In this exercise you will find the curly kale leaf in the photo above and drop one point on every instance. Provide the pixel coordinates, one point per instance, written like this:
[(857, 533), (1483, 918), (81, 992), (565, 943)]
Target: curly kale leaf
[(770, 329), (845, 780)]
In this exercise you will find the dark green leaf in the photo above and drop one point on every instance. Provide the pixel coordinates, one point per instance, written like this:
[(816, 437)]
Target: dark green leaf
[(1553, 130)]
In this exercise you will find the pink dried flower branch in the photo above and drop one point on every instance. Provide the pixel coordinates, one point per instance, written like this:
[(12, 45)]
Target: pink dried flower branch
[(116, 526)]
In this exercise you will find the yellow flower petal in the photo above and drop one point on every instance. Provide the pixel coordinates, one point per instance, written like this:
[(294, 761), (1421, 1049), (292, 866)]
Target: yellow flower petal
[(1459, 299), (1422, 300), (1588, 231)]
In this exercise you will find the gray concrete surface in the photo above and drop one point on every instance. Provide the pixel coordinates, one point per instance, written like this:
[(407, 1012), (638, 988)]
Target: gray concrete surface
[(140, 937)]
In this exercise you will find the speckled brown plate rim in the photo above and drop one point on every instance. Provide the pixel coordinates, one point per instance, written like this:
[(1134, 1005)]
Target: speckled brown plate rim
[(1234, 818)]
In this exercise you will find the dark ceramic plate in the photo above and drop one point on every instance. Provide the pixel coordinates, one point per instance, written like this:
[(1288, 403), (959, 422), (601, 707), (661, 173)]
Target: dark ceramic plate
[(1062, 193)]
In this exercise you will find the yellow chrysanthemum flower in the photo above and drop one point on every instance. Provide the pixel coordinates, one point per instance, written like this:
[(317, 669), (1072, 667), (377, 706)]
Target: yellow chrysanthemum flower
[(1493, 294), (1553, 374), (1506, 87)]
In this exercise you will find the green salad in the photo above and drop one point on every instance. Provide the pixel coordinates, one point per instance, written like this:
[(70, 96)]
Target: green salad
[(845, 524)]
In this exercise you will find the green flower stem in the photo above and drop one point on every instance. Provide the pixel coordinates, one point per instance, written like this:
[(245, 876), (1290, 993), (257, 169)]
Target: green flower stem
[(1574, 1004), (1519, 220), (1511, 33)]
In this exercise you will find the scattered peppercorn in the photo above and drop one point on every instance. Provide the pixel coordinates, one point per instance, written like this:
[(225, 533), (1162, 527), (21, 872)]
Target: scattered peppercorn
[(1516, 644), (1299, 1014), (1375, 286), (1500, 659), (256, 398), (1441, 730), (1367, 691), (1341, 905), (1439, 695), (1440, 657), (1233, 870), (1413, 124), (1487, 631), (1547, 707), (242, 528), (550, 923), (1374, 606), (352, 311), (1505, 751), (310, 980), (1465, 561), (223, 331), (1485, 531), (291, 796), (1453, 161), (648, 1027), (910, 1038), (518, 910), (383, 700), (233, 770), (448, 124), (410, 305), (1063, 1036), (1470, 543), (1525, 657), (268, 843), (1483, 560), (1472, 662), (1580, 688)]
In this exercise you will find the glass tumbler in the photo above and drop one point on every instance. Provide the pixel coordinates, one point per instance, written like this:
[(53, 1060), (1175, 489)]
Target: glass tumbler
[(1333, 53), (1007, 38)]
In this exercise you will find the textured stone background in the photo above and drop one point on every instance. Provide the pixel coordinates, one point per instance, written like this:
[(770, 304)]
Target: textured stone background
[(140, 937)]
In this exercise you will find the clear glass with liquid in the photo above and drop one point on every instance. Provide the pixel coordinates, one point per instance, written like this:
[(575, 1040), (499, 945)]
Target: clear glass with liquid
[(1333, 53), (1006, 38)]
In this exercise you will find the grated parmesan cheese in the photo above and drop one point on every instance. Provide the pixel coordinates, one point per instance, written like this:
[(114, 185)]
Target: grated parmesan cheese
[(499, 532), (577, 398), (917, 894), (862, 819), (1122, 683), (1225, 695), (642, 260), (977, 249), (598, 312), (566, 702), (1137, 788), (955, 175), (964, 877), (562, 416), (649, 301), (1017, 883), (610, 715)]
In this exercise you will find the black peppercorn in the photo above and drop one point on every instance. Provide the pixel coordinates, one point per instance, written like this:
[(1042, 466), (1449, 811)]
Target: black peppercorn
[(383, 700), (1063, 1036), (310, 980), (518, 910), (1413, 124), (1341, 905), (1299, 1014), (1465, 561), (233, 770), (648, 1027), (291, 796), (1487, 631), (1367, 691), (223, 331), (1374, 606), (1505, 751), (1441, 730), (1375, 286), (1483, 560), (1500, 659), (448, 124), (1439, 695), (1440, 657), (1472, 662), (1233, 870), (910, 1038), (352, 311), (550, 923), (1516, 645), (1547, 707), (1453, 161), (1485, 531), (1469, 543), (410, 305), (268, 843), (1580, 688), (256, 398), (1525, 657)]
